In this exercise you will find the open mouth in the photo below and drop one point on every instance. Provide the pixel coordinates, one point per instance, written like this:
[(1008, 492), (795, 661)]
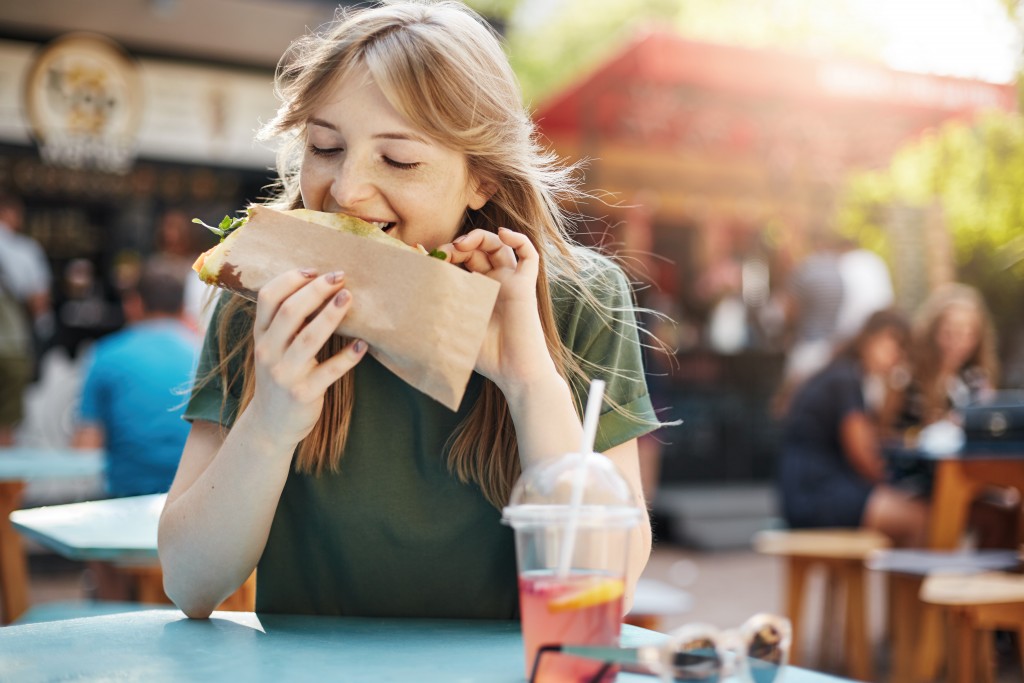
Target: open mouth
[(383, 225)]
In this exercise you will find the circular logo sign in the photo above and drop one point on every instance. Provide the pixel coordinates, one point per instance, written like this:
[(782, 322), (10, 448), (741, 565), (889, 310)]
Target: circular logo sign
[(84, 102)]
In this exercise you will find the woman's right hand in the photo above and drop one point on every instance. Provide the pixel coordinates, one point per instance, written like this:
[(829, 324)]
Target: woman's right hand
[(296, 314)]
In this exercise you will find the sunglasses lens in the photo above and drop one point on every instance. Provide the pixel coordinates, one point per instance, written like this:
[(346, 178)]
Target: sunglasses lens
[(696, 660), (766, 655)]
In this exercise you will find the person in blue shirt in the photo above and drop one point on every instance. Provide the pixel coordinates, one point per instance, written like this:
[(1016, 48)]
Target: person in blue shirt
[(136, 381)]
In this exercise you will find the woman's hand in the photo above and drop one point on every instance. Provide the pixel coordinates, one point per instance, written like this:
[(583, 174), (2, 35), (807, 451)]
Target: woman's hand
[(296, 313), (514, 350)]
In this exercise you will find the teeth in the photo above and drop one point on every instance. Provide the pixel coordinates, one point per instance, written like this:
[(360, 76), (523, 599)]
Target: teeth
[(381, 224)]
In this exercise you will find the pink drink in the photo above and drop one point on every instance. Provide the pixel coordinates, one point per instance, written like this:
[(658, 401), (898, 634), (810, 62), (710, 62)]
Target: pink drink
[(582, 609)]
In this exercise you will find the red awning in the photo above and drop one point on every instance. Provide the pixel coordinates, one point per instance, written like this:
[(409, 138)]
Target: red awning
[(659, 70)]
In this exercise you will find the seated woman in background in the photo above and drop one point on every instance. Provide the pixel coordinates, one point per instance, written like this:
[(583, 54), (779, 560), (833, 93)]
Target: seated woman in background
[(954, 355), (955, 364), (831, 472)]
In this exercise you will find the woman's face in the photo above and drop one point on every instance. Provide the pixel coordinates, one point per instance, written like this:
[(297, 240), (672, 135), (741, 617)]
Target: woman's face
[(364, 159), (882, 352), (957, 335)]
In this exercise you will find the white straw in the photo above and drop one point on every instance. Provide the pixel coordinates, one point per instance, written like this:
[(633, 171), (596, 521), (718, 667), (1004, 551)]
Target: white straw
[(593, 413)]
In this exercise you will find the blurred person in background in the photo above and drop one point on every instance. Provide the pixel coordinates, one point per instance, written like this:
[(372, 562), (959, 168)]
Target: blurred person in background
[(811, 303), (136, 380), (831, 471), (955, 361), (867, 287), (15, 361), (26, 274), (87, 310), (177, 248), (955, 364)]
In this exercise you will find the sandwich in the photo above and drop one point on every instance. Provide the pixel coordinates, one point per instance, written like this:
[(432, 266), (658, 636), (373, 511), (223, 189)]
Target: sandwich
[(211, 262), (424, 320)]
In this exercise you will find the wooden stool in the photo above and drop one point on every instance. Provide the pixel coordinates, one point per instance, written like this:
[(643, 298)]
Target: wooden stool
[(975, 606), (840, 553), (149, 583), (655, 600), (915, 627)]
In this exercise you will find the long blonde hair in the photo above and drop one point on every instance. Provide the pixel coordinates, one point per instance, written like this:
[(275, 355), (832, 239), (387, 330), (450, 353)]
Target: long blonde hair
[(441, 68), (927, 356)]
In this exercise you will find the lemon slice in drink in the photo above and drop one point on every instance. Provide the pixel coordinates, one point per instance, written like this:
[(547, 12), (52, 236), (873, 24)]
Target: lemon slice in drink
[(599, 592)]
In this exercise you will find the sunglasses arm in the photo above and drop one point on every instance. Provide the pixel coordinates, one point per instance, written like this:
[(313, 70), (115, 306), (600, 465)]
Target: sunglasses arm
[(644, 656)]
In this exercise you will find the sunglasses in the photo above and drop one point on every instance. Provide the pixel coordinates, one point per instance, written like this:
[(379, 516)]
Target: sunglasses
[(756, 652)]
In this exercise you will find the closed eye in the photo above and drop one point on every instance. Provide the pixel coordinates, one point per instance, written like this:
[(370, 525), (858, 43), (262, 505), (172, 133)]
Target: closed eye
[(324, 151), (399, 164)]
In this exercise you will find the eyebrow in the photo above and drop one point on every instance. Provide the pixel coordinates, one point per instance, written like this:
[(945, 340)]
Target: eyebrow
[(412, 137)]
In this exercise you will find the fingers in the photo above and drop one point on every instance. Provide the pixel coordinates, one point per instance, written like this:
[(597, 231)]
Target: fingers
[(482, 251), (331, 370), (289, 307), (317, 330), (277, 290), (526, 253)]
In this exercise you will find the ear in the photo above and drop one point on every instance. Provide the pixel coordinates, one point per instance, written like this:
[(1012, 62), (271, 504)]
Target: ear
[(482, 194)]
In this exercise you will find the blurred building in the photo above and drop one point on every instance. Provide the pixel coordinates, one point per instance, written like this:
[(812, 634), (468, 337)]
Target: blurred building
[(115, 112), (739, 156)]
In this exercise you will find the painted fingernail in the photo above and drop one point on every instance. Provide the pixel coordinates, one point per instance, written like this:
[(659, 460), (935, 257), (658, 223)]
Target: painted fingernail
[(336, 277), (342, 298), (308, 273), (459, 239), (359, 346)]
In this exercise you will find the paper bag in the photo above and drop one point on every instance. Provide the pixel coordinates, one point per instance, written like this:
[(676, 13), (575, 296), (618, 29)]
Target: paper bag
[(423, 319)]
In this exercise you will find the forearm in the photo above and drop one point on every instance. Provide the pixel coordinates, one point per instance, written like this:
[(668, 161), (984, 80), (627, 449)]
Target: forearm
[(545, 418), (860, 446), (213, 533), (547, 425)]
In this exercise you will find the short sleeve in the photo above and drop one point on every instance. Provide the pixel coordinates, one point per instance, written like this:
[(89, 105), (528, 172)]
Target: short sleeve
[(847, 391), (607, 340), (209, 401)]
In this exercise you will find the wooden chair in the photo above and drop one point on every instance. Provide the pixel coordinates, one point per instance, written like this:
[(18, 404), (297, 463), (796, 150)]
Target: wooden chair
[(915, 627), (840, 553), (975, 606)]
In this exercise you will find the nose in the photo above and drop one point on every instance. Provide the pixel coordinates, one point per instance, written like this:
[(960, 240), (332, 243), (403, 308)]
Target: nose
[(351, 184)]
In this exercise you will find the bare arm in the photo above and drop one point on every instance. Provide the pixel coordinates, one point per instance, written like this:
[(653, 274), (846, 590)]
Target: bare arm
[(88, 436), (218, 513), (859, 440), (220, 507)]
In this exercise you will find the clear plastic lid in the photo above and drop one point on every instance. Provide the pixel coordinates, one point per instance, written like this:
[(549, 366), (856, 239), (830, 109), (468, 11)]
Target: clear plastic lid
[(544, 494)]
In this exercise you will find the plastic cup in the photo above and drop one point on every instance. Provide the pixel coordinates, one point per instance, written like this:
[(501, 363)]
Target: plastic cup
[(578, 602)]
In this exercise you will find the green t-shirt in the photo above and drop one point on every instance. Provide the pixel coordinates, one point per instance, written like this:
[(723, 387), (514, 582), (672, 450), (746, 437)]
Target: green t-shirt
[(393, 533)]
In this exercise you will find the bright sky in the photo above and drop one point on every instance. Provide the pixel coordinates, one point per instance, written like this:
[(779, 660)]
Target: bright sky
[(967, 38), (970, 38)]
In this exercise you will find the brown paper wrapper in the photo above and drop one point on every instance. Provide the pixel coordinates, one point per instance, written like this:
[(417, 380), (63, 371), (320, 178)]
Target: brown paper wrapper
[(422, 318)]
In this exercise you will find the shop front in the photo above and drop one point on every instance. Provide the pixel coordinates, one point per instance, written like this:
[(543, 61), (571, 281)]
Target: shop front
[(723, 164), (113, 154)]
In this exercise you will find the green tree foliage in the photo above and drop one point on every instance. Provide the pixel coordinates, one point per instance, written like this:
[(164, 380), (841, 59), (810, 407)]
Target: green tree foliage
[(975, 173)]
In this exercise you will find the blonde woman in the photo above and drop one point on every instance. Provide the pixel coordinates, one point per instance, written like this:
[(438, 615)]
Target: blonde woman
[(954, 354), (955, 363), (351, 492)]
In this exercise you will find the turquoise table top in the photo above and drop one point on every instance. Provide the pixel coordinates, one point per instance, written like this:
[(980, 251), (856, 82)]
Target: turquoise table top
[(163, 645), (115, 530), (20, 464)]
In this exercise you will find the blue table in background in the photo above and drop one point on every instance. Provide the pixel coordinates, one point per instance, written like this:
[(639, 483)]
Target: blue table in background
[(18, 465), (163, 645), (119, 531)]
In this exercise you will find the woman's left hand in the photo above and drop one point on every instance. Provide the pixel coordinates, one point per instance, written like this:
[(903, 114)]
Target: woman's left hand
[(514, 350)]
